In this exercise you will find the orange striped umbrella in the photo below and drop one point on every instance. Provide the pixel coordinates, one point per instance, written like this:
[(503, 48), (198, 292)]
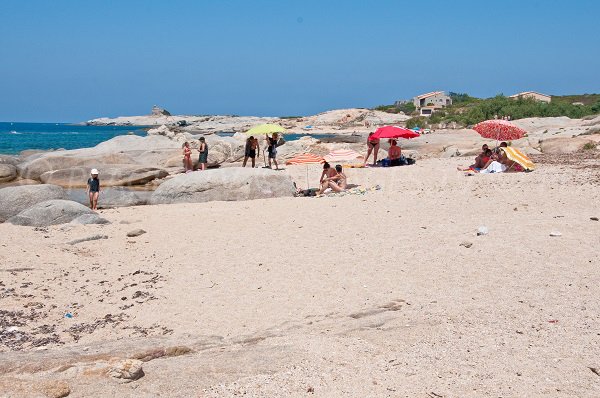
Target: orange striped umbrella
[(307, 158)]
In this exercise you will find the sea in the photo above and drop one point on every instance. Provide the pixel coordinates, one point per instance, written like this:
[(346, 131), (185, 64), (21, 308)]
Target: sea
[(16, 137)]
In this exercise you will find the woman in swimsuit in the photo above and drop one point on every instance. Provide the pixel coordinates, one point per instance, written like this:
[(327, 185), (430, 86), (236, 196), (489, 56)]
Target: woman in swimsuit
[(327, 172), (372, 146), (187, 157), (272, 149)]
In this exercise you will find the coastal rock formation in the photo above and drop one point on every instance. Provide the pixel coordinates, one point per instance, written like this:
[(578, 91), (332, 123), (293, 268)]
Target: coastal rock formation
[(230, 184), (121, 197), (8, 172), (50, 212), (9, 159), (158, 111), (13, 200), (113, 175), (90, 218)]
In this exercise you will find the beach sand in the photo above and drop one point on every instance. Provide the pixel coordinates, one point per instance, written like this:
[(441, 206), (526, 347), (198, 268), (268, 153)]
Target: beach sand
[(390, 293)]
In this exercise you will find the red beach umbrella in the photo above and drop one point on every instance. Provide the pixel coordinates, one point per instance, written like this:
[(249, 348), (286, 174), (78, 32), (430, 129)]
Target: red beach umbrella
[(499, 130), (394, 132)]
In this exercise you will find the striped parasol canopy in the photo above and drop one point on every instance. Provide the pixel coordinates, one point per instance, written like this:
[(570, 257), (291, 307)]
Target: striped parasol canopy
[(307, 158), (341, 155), (516, 155), (499, 130)]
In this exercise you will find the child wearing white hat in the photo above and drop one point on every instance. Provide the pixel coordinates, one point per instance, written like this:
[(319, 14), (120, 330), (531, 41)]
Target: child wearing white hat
[(93, 189)]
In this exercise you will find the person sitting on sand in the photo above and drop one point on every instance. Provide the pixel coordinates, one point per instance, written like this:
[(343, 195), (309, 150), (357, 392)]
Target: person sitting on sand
[(372, 146), (203, 157), (395, 153), (93, 189), (327, 172), (250, 151), (337, 183), (187, 157), (272, 149), (480, 161)]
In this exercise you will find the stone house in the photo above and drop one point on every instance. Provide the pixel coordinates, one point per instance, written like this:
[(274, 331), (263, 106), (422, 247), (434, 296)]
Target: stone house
[(430, 102), (534, 95)]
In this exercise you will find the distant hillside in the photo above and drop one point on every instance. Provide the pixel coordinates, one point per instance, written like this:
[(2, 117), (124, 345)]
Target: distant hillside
[(467, 110)]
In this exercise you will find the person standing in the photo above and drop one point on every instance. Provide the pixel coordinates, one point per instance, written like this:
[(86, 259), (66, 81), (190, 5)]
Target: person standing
[(93, 189), (187, 157), (372, 146), (272, 149), (203, 157), (250, 151)]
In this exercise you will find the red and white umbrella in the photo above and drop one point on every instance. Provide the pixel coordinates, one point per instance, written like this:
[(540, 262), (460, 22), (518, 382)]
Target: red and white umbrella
[(340, 155), (499, 130)]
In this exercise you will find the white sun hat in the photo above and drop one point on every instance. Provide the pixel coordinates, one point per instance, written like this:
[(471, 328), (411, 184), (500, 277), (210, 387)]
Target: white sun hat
[(94, 172)]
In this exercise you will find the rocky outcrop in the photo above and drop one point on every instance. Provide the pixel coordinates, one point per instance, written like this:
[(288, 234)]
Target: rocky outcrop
[(50, 212), (231, 184), (114, 175), (9, 159), (13, 200), (8, 172), (158, 111)]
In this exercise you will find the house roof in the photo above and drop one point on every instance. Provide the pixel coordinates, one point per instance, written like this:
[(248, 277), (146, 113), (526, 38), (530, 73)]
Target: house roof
[(429, 94), (528, 92)]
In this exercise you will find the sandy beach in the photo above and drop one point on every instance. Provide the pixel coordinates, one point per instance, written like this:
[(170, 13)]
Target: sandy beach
[(390, 293)]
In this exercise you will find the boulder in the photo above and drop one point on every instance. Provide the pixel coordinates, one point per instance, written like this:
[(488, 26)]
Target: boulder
[(8, 172), (9, 159), (158, 111), (568, 145), (114, 175), (127, 370), (123, 197), (90, 218), (230, 184), (50, 212), (13, 200)]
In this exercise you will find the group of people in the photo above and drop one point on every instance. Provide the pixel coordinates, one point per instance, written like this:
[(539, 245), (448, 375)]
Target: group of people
[(493, 161), (395, 157), (188, 165), (332, 178), (251, 151)]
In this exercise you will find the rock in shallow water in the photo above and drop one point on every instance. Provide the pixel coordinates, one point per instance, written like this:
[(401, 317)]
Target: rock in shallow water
[(13, 200), (229, 184)]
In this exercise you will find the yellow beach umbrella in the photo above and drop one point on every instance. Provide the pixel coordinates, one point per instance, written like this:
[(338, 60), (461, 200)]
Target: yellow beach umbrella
[(266, 128), (519, 157)]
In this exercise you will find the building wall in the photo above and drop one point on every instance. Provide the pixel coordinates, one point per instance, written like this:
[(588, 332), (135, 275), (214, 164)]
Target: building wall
[(436, 100)]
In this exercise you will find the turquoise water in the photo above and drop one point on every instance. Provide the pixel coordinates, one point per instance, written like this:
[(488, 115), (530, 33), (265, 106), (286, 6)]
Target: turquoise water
[(17, 137)]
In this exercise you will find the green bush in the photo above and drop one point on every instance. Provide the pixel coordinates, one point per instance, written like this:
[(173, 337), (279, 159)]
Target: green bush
[(419, 121)]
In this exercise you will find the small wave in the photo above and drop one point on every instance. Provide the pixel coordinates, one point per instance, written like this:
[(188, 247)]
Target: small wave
[(14, 132)]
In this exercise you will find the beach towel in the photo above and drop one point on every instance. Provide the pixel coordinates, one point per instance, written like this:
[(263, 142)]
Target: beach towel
[(353, 191), (494, 167)]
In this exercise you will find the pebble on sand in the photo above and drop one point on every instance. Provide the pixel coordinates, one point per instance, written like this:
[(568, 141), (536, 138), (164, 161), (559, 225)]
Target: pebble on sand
[(135, 232)]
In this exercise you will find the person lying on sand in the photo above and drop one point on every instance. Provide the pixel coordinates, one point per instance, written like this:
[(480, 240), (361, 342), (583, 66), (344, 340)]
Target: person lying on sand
[(480, 161), (337, 183)]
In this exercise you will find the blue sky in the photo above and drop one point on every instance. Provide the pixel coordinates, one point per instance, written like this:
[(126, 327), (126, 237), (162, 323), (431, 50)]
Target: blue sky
[(75, 60)]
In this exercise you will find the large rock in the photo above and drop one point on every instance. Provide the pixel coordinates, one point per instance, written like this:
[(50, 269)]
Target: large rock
[(50, 212), (13, 200), (115, 175), (8, 172), (230, 184), (9, 159)]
